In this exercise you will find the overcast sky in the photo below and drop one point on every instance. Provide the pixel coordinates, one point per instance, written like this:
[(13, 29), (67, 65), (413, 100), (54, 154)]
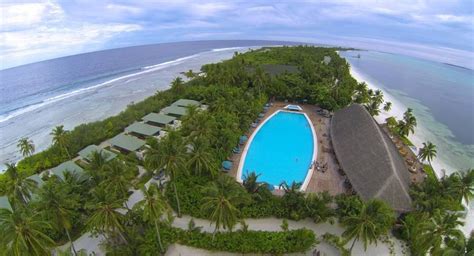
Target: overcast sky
[(37, 30)]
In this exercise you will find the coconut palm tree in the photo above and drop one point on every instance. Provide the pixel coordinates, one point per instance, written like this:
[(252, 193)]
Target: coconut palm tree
[(22, 233), (177, 85), (374, 220), (318, 206), (464, 185), (201, 160), (373, 108), (189, 74), (18, 187), (221, 201), (58, 206), (427, 152), (118, 177), (169, 155), (387, 106), (26, 146), (60, 138), (251, 184), (154, 207), (105, 218), (445, 227)]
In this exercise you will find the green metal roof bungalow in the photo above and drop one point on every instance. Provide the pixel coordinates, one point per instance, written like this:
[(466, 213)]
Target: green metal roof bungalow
[(126, 143), (142, 130), (186, 103), (4, 203), (38, 180), (158, 119), (68, 166), (86, 153), (174, 111)]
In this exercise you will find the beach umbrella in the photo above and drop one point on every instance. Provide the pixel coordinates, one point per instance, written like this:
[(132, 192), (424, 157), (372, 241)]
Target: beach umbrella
[(227, 165)]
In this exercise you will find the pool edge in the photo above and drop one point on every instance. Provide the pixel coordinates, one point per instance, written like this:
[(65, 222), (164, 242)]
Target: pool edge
[(310, 171)]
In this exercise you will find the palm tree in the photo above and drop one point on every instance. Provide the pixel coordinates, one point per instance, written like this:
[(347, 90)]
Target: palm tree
[(387, 106), (427, 152), (318, 206), (118, 178), (189, 74), (21, 233), (58, 206), (250, 183), (26, 146), (177, 85), (201, 160), (60, 137), (168, 154), (374, 220), (445, 227), (373, 108), (221, 201), (18, 187), (105, 218), (464, 185), (153, 206)]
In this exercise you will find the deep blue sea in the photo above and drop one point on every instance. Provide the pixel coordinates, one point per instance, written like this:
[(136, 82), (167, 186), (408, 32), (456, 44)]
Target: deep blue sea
[(441, 95), (88, 87)]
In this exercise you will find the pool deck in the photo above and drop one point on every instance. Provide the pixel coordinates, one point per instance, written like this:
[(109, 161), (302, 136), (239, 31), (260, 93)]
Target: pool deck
[(330, 181)]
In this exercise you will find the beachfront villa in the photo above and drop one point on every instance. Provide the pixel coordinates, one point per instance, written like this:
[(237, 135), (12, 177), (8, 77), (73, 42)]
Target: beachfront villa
[(68, 166), (346, 152), (126, 143), (160, 120), (186, 103), (175, 111), (142, 130), (86, 153)]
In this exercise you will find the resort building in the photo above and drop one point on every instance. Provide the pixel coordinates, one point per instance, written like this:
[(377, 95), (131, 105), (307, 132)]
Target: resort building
[(126, 143), (68, 166), (142, 130), (369, 158), (4, 203), (38, 179), (174, 111), (186, 103), (160, 120), (86, 153)]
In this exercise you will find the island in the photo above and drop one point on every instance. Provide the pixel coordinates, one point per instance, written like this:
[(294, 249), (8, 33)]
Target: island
[(274, 151)]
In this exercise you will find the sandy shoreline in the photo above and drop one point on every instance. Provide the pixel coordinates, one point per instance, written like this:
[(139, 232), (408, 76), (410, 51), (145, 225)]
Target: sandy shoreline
[(397, 111)]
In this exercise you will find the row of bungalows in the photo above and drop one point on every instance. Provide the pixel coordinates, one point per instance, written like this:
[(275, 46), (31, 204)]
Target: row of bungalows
[(152, 125), (131, 140)]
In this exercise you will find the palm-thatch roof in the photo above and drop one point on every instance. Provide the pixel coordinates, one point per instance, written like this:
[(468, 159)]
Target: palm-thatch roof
[(369, 158)]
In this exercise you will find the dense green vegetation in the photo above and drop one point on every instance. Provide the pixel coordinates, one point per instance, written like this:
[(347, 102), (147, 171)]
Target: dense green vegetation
[(235, 91)]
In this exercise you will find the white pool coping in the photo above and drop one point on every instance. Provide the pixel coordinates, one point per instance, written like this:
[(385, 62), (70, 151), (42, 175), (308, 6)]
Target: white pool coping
[(310, 171)]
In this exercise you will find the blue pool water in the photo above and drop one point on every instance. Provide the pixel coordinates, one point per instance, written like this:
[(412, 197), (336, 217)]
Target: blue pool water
[(281, 150)]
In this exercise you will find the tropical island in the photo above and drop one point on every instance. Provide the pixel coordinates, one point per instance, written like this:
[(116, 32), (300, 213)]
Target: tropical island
[(161, 171)]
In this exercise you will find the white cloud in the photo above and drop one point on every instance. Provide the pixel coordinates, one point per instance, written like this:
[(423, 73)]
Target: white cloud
[(25, 15), (47, 33)]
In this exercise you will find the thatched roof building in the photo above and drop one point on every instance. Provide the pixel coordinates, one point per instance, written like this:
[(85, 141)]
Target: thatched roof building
[(369, 158)]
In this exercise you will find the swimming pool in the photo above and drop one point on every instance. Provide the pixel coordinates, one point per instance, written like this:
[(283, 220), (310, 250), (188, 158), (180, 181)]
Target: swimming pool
[(281, 149)]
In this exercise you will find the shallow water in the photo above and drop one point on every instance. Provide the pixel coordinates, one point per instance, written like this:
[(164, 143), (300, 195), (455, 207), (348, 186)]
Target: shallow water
[(33, 103), (440, 95)]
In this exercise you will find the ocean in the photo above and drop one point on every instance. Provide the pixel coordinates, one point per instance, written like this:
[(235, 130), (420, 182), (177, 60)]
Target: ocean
[(92, 86), (441, 96)]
